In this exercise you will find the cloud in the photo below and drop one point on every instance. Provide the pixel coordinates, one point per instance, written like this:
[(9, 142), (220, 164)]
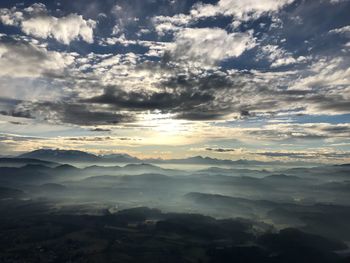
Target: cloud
[(189, 104), (197, 93), (100, 130), (209, 45), (10, 17), (280, 57), (90, 139), (17, 123), (165, 24), (64, 29), (75, 113), (36, 21), (220, 150), (307, 131), (12, 107), (18, 113), (307, 154), (15, 137), (24, 59), (119, 40), (341, 30), (337, 1), (344, 31), (326, 83), (240, 10)]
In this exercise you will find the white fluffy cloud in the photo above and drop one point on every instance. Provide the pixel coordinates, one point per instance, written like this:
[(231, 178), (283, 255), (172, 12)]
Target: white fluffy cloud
[(337, 1), (27, 60), (64, 29), (241, 10), (280, 57), (345, 30), (210, 45), (10, 17), (237, 9), (36, 21)]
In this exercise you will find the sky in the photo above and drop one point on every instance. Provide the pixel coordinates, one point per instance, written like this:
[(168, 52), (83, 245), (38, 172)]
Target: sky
[(230, 79)]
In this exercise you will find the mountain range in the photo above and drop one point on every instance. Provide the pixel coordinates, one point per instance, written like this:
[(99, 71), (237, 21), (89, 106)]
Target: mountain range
[(57, 155), (73, 156)]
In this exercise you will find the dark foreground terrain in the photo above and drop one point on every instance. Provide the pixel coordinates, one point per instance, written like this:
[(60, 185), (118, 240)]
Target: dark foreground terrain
[(36, 231)]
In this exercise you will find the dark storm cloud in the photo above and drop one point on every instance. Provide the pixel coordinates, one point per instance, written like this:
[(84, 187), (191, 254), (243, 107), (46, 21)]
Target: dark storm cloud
[(8, 102), (204, 115), (18, 113), (187, 95), (186, 104), (79, 114), (100, 130), (126, 139), (336, 103), (213, 95), (17, 123), (337, 129), (12, 107), (220, 150), (150, 101)]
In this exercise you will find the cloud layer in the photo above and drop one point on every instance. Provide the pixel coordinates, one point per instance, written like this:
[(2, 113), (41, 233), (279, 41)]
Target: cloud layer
[(187, 72)]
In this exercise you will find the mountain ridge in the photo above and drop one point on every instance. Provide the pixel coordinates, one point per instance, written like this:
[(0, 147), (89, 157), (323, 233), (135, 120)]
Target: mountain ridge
[(57, 155)]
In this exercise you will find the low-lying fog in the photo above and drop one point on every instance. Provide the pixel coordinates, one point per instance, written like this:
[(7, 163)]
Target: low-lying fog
[(314, 200)]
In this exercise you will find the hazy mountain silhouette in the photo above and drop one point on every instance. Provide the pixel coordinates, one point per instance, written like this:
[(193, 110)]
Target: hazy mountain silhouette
[(57, 155), (61, 155), (16, 162)]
